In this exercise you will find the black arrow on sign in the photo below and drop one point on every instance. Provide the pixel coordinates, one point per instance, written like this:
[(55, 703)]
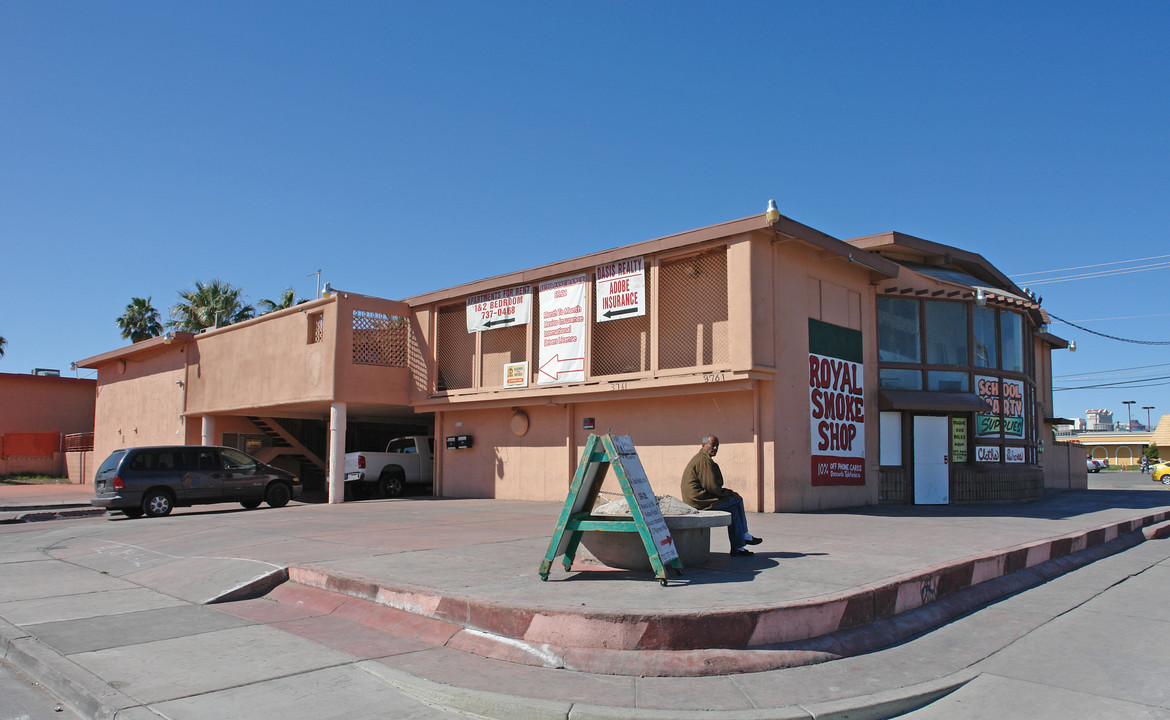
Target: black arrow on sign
[(505, 321), (615, 313)]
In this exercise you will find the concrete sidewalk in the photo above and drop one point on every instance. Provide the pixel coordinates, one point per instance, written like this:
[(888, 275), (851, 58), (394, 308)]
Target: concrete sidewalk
[(439, 601)]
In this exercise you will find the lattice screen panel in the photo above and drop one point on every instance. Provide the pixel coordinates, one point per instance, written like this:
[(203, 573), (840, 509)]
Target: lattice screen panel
[(380, 339), (692, 327), (500, 347), (621, 347), (454, 350)]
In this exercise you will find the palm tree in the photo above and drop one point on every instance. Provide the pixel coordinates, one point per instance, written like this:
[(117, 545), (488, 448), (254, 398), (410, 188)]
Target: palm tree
[(210, 305), (286, 301), (3, 342), (140, 321)]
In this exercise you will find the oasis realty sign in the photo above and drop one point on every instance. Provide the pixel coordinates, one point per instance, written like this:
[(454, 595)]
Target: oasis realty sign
[(836, 396)]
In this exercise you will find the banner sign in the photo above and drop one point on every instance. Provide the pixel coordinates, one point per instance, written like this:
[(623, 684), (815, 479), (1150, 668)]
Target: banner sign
[(987, 453), (562, 331), (1007, 407), (499, 308), (621, 290), (959, 440), (836, 404)]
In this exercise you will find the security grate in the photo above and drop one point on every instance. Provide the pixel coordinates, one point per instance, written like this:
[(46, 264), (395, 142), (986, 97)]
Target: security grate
[(621, 347), (454, 350), (498, 348), (380, 339), (692, 327), (316, 327)]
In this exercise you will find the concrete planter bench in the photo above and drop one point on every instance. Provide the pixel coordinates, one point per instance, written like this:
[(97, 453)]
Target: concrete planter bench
[(689, 528)]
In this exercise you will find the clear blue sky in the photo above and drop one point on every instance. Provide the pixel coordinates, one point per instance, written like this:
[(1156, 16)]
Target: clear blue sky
[(406, 147)]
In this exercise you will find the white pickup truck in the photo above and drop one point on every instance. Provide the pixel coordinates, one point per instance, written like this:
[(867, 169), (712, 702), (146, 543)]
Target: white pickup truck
[(407, 461)]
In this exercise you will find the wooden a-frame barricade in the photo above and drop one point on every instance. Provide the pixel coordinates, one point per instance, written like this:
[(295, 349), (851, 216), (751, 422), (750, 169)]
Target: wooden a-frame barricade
[(601, 452)]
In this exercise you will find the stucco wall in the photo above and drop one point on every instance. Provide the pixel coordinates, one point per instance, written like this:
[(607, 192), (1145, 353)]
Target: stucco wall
[(32, 403), (267, 361), (140, 402), (806, 286), (539, 465)]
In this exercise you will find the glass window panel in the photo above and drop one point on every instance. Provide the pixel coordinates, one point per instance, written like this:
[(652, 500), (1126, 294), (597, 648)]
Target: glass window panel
[(986, 349), (899, 334), (947, 381), (895, 379), (1011, 335), (946, 333), (890, 435)]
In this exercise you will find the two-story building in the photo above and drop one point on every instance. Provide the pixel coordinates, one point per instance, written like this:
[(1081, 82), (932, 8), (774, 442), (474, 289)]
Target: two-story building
[(836, 374)]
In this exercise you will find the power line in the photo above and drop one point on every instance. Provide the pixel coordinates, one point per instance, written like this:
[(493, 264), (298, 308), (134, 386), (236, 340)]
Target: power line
[(1099, 274), (1085, 267), (1111, 337), (1124, 384), (1126, 317), (1105, 372)]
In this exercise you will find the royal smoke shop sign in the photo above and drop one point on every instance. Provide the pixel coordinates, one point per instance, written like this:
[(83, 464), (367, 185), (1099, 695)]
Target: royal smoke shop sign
[(836, 404)]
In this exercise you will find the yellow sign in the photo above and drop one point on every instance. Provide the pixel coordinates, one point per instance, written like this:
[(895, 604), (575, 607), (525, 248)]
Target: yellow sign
[(516, 374), (959, 440)]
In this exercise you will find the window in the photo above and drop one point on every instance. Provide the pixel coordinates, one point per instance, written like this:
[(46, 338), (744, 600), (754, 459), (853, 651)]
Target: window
[(896, 379), (947, 381), (899, 333), (986, 348), (1011, 335), (890, 435), (236, 460), (946, 333)]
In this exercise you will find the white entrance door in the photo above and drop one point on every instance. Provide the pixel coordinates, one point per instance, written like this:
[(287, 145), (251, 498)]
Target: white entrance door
[(931, 479)]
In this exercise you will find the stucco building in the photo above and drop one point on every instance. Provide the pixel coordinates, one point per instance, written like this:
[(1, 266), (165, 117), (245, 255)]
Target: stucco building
[(39, 416), (883, 369)]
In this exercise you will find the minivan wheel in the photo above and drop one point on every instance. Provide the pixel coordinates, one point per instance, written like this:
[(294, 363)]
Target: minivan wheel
[(277, 495), (157, 503), (391, 484)]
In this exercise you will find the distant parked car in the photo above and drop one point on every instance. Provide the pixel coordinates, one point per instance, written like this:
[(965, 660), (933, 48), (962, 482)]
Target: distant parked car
[(154, 480), (1092, 465), (1161, 473)]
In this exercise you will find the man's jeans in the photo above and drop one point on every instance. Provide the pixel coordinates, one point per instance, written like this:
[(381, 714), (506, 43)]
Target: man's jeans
[(738, 527)]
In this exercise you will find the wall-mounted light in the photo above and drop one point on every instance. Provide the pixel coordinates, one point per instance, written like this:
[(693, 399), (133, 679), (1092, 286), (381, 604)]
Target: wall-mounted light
[(1072, 345), (980, 297)]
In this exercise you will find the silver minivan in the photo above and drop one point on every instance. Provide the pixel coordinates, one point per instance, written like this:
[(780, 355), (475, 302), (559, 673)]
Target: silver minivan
[(154, 480)]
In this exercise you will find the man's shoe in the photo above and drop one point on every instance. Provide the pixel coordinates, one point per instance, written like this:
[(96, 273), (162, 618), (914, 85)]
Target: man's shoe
[(741, 552), (754, 541)]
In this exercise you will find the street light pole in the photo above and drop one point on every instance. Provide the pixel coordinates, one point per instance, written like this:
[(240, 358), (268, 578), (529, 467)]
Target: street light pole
[(1129, 412), (1148, 408)]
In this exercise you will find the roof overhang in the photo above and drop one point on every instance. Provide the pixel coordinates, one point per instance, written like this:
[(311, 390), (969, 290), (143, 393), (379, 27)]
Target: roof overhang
[(143, 347), (786, 228)]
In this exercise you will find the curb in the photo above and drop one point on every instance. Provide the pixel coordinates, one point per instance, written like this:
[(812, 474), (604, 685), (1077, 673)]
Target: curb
[(84, 692), (800, 633), (39, 513), (498, 706)]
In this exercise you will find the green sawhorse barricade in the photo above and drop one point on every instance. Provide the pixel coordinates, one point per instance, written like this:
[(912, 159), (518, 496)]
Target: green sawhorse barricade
[(602, 451)]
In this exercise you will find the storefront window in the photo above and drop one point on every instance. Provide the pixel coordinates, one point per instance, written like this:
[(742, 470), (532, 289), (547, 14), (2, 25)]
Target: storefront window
[(946, 333), (986, 348), (895, 379), (947, 381), (899, 333), (1011, 337)]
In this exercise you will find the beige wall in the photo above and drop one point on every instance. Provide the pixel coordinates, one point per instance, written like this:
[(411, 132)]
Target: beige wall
[(758, 405), (140, 402), (33, 403)]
